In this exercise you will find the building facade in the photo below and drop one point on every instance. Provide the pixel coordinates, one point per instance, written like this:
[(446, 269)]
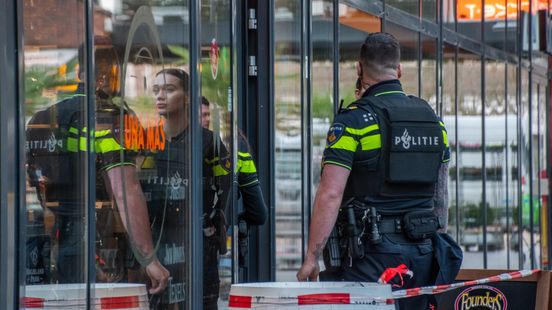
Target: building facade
[(278, 70)]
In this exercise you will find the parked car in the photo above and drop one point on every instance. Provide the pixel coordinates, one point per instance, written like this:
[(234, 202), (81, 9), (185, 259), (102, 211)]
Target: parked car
[(473, 241)]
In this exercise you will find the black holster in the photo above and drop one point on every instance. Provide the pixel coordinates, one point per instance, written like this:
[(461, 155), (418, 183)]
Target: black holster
[(243, 242)]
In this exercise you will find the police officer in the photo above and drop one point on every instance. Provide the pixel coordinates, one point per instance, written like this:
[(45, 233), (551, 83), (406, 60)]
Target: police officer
[(55, 170), (167, 201), (384, 156)]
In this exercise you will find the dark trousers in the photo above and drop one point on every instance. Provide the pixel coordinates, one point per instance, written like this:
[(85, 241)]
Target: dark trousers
[(391, 252)]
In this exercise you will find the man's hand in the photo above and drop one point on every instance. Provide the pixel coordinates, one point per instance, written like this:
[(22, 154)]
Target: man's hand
[(309, 270), (158, 275)]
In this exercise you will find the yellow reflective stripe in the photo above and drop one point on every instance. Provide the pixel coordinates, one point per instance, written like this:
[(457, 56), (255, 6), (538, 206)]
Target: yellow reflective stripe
[(117, 165), (218, 170), (83, 144), (390, 92), (250, 183), (148, 163), (345, 143), (371, 142), (74, 130), (445, 138), (102, 133), (244, 154), (72, 145), (337, 164), (441, 123), (363, 131), (246, 166), (107, 145), (210, 161)]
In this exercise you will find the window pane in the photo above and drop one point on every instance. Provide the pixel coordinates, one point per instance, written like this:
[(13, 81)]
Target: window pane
[(468, 14), (512, 209), (287, 166), (142, 201), (216, 83), (409, 56), (54, 100), (322, 82), (535, 180), (410, 6), (449, 118), (525, 137), (495, 161), (429, 71), (469, 158), (354, 25)]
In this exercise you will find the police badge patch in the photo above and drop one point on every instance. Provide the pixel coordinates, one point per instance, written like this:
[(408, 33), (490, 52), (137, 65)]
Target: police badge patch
[(335, 132)]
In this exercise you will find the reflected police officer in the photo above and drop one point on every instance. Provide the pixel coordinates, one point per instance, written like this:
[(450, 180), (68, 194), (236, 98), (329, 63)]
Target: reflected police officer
[(164, 177), (55, 173), (385, 156)]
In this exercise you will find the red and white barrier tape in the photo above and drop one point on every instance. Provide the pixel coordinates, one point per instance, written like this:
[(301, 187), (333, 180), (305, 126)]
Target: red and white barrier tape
[(437, 289), (248, 302), (105, 303)]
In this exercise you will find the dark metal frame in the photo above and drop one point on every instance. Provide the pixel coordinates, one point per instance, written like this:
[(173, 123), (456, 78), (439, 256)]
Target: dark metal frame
[(11, 151)]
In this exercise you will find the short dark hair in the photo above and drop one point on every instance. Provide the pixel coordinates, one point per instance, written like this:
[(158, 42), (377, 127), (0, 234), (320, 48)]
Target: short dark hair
[(182, 76), (380, 52), (204, 101)]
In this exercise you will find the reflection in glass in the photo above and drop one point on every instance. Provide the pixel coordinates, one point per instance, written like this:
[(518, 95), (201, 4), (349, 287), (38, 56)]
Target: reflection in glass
[(512, 198), (409, 6), (449, 118), (535, 173), (524, 234), (409, 57), (287, 109), (449, 14), (354, 25), (542, 174), (322, 85), (216, 87), (429, 71), (495, 163), (55, 223), (468, 16), (469, 161)]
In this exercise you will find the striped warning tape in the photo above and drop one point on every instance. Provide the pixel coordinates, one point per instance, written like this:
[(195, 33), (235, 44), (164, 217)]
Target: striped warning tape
[(437, 289), (248, 302), (124, 302)]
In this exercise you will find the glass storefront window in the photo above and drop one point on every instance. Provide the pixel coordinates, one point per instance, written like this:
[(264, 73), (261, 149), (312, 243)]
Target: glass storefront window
[(468, 17), (524, 233), (216, 88), (288, 141), (322, 83), (139, 147), (54, 102), (449, 118), (495, 161), (409, 57), (354, 25), (469, 160), (512, 198), (429, 71), (409, 6)]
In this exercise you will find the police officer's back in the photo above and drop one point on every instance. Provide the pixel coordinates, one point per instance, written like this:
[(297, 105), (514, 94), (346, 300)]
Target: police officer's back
[(383, 158)]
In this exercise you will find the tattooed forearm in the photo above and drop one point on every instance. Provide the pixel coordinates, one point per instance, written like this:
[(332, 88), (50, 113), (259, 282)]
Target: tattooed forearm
[(319, 248)]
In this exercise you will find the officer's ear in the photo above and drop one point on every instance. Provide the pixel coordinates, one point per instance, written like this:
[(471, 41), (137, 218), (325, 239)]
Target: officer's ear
[(359, 69), (399, 71)]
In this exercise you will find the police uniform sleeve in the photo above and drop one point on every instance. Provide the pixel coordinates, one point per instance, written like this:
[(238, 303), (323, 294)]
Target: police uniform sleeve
[(109, 147), (446, 151), (255, 210), (351, 131)]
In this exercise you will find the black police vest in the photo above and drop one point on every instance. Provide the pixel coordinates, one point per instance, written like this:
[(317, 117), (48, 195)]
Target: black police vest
[(411, 153)]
